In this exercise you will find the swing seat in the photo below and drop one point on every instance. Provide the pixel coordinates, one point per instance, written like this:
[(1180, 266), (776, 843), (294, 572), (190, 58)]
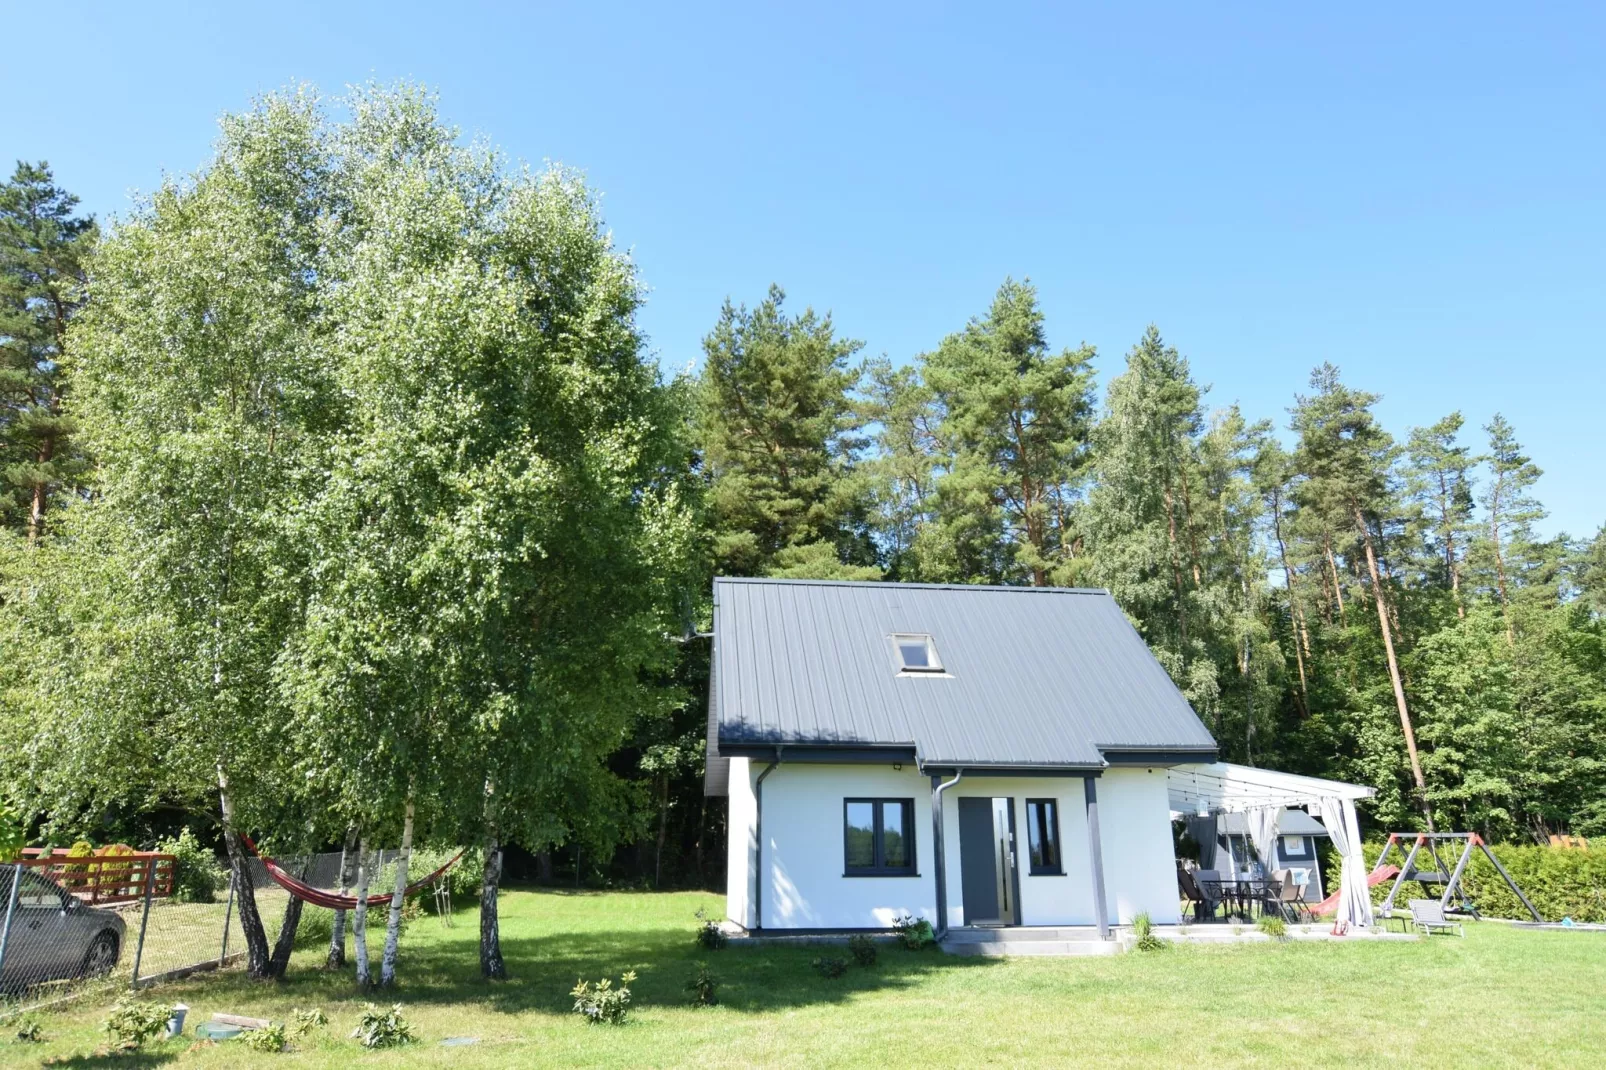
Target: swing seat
[(1428, 918)]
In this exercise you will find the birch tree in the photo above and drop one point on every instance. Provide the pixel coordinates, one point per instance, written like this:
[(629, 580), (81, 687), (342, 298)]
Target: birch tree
[(503, 530), (200, 396)]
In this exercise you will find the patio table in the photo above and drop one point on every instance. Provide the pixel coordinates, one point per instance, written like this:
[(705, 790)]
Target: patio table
[(1243, 896)]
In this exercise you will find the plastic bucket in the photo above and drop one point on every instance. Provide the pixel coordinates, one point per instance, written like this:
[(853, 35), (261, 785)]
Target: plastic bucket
[(175, 1024)]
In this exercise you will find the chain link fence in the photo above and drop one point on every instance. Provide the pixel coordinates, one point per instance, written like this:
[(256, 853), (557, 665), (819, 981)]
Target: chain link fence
[(123, 925)]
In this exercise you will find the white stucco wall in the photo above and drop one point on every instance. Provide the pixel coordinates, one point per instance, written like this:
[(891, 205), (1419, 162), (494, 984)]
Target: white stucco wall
[(1140, 869), (1045, 900), (803, 849), (739, 843), (803, 855)]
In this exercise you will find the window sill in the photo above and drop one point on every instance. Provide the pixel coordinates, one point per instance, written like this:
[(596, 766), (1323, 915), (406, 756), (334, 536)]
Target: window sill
[(1045, 873), (880, 873)]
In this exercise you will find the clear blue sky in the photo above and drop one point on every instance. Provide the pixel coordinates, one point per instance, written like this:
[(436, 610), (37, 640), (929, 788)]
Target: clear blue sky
[(1414, 192)]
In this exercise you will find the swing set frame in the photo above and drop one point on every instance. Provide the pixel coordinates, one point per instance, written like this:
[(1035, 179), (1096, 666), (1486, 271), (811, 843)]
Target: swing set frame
[(1451, 880)]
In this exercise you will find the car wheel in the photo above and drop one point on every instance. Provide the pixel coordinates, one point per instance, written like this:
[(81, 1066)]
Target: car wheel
[(102, 954)]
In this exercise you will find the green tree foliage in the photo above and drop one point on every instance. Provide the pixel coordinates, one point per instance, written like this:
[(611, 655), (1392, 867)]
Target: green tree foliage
[(1511, 558), (1439, 482), (780, 436), (42, 247), (160, 614), (394, 513), (1591, 570), (983, 450), (1015, 420)]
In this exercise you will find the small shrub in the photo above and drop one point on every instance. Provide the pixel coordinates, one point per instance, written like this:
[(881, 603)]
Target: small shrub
[(916, 933), (601, 1002), (463, 880), (316, 927), (710, 937), (827, 966), (196, 873), (1273, 926), (382, 1029), (863, 950), (1143, 929), (703, 987), (30, 1030), (270, 1039), (134, 1021), (308, 1020)]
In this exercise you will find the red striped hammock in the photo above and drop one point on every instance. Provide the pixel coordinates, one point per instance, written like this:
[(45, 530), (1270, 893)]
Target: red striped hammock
[(319, 897)]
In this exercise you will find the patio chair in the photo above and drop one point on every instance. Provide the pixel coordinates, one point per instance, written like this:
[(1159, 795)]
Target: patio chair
[(1427, 917), (1189, 890), (1290, 899), (1208, 882)]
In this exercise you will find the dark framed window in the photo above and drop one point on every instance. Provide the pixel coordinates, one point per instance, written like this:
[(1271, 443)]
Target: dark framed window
[(878, 837), (1043, 837)]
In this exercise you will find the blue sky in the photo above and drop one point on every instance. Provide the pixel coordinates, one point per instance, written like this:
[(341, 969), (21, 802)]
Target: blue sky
[(1414, 192)]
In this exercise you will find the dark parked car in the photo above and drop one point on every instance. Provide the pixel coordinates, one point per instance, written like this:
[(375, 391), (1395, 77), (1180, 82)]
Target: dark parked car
[(54, 935)]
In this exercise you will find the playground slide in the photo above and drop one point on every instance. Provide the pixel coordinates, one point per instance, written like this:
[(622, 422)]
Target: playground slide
[(1373, 879)]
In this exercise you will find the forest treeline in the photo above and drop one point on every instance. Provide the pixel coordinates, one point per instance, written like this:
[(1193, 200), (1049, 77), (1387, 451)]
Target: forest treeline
[(1332, 598), (343, 500)]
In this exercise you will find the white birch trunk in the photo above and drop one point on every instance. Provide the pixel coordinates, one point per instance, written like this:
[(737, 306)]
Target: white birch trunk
[(359, 920), (387, 964), (337, 931)]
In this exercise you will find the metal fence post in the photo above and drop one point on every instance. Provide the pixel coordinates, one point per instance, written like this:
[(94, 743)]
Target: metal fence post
[(228, 912), (11, 909), (144, 919)]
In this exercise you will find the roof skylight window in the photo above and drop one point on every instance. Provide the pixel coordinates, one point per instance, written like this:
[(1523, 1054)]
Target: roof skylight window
[(916, 653)]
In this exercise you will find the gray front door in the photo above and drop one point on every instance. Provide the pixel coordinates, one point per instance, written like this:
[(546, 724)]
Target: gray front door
[(986, 861)]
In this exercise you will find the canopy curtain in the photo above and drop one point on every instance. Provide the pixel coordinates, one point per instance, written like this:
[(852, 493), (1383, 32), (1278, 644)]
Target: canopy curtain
[(1355, 897), (1262, 821), (1203, 832)]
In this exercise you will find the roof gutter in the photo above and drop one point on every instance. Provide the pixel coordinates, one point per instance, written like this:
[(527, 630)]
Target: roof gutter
[(938, 786), (758, 829)]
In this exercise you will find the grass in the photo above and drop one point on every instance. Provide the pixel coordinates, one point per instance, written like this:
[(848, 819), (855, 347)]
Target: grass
[(1500, 997)]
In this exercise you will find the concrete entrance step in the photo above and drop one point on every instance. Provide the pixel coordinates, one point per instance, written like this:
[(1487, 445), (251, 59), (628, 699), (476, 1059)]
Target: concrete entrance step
[(1020, 933), (1012, 948), (1030, 940)]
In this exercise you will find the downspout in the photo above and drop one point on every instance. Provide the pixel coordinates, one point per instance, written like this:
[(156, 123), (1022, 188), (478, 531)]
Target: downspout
[(937, 788), (1095, 850), (758, 830)]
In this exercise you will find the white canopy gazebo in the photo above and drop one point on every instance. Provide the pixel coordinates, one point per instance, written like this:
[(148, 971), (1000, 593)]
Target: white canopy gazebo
[(1206, 789)]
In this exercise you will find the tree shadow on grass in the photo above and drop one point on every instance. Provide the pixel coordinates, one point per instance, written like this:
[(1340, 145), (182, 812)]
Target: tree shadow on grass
[(123, 1060), (543, 969)]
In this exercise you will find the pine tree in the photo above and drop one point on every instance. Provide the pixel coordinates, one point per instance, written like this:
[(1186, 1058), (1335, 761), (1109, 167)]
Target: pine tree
[(1591, 570), (1138, 517), (781, 438), (1014, 423), (1511, 510), (42, 247), (1437, 479), (1273, 469), (1348, 461)]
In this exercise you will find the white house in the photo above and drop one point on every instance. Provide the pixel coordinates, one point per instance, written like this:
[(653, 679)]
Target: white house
[(971, 755)]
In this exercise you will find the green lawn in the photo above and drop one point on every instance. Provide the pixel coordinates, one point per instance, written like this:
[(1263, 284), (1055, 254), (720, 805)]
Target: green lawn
[(1501, 997)]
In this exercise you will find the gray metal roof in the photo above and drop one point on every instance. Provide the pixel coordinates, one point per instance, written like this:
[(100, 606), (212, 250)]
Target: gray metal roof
[(1034, 677)]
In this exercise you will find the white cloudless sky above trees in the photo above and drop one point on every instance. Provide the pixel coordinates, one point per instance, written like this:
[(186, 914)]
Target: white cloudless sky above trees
[(1418, 195)]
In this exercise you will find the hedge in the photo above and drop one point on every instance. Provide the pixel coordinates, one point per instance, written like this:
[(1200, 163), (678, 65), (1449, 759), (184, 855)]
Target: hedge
[(1560, 882)]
